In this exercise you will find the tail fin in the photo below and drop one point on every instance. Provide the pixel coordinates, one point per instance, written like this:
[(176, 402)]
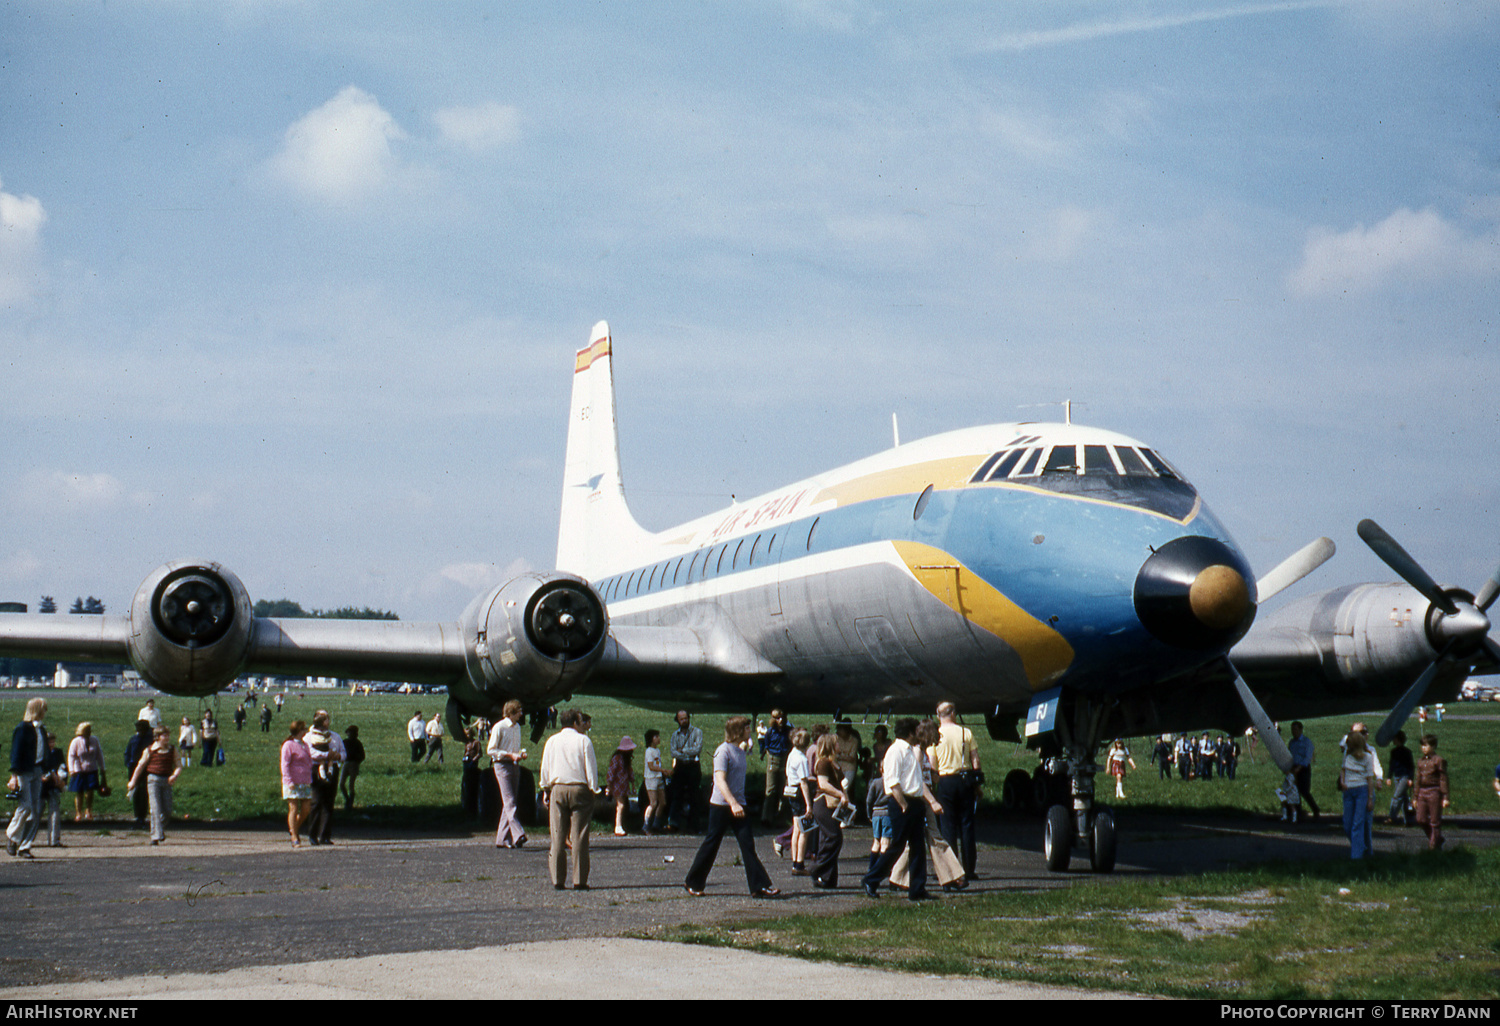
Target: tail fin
[(596, 522)]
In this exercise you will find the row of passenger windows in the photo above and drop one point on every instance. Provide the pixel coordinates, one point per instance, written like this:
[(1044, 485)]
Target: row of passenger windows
[(1035, 461), (739, 554)]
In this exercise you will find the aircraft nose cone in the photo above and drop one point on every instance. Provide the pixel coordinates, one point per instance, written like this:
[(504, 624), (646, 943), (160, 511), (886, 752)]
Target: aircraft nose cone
[(1195, 593)]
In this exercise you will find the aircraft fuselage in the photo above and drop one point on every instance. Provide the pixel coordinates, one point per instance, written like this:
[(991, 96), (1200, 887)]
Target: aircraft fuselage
[(933, 571)]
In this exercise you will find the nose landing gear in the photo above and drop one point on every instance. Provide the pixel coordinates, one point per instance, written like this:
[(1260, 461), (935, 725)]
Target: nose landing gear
[(1084, 827), (1073, 824)]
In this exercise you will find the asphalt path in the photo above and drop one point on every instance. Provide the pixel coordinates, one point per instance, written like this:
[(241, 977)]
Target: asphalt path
[(232, 909)]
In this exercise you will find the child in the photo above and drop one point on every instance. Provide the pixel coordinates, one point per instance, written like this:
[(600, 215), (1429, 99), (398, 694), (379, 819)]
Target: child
[(354, 757), (655, 783), (1403, 769), (621, 779), (1119, 758), (878, 807), (1291, 799), (55, 766), (1431, 785)]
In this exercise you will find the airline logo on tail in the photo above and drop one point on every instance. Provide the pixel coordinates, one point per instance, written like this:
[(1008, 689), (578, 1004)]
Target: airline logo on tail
[(596, 350)]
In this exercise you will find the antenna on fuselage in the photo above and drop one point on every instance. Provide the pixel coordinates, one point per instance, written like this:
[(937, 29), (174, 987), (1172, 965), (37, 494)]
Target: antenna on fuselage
[(895, 431), (1066, 404)]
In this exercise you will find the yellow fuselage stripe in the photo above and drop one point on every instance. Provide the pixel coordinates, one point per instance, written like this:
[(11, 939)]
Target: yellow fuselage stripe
[(1045, 654)]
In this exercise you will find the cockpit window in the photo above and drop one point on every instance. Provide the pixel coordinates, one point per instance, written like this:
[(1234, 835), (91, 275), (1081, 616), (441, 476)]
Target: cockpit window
[(1132, 462), (1007, 464), (1063, 460), (1096, 460), (1160, 465), (984, 468), (1120, 474)]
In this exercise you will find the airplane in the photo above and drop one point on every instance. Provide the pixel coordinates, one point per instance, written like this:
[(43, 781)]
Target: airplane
[(1058, 574)]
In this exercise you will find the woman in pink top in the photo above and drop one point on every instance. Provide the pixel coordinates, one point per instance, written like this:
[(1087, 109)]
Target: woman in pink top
[(296, 780)]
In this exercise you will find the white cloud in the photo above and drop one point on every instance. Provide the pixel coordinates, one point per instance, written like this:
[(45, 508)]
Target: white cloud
[(482, 576), (21, 220), (1061, 235), (64, 491), (483, 127), (1016, 42), (341, 152), (1408, 244)]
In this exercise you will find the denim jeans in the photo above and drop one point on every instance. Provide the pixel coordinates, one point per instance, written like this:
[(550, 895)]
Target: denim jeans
[(1357, 822)]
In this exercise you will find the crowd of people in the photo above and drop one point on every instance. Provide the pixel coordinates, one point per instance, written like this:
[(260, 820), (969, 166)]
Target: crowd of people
[(918, 790), (1196, 758), (42, 771), (922, 793)]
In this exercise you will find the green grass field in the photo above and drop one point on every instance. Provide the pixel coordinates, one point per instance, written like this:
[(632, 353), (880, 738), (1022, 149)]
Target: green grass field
[(1396, 927), (393, 792)]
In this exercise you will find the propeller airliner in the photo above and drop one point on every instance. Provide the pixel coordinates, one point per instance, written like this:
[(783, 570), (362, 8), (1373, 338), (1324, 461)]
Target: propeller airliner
[(1053, 574)]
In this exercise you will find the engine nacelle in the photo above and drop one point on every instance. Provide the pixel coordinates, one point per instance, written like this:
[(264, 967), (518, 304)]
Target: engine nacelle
[(534, 638), (190, 628), (1370, 638)]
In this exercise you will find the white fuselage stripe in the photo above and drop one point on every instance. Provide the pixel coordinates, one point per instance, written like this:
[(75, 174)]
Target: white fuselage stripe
[(770, 576)]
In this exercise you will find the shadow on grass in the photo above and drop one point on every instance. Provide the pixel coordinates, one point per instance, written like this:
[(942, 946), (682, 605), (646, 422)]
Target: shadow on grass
[(1387, 868)]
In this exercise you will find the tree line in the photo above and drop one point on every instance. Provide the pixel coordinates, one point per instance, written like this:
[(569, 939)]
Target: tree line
[(287, 609)]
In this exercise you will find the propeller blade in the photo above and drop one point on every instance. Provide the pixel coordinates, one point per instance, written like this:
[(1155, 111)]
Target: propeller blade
[(1492, 648), (1399, 560), (1295, 567), (1488, 592), (1409, 701), (1269, 735)]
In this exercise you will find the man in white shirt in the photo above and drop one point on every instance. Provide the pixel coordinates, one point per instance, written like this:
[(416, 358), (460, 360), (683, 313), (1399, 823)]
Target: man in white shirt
[(150, 713), (328, 758), (506, 753), (903, 782), (570, 779), (416, 733)]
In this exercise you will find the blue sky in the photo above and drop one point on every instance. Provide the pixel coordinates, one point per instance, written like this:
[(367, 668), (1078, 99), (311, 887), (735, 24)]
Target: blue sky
[(296, 286)]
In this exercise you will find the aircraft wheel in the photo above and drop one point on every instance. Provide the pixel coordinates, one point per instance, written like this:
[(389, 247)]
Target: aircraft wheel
[(1102, 842), (1057, 838), (1016, 793), (1047, 789)]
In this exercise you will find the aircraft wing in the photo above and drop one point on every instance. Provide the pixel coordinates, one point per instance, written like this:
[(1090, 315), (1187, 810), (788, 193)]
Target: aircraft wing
[(421, 653), (393, 650), (82, 638)]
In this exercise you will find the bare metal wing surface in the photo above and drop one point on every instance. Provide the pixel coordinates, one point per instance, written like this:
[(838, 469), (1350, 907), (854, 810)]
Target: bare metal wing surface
[(1058, 574)]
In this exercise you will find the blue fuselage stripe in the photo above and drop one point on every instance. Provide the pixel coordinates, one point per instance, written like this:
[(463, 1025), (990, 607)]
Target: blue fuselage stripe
[(1068, 562)]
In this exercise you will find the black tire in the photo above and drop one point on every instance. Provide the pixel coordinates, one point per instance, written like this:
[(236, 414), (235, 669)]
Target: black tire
[(1051, 789), (1102, 840), (1057, 838), (1016, 793)]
